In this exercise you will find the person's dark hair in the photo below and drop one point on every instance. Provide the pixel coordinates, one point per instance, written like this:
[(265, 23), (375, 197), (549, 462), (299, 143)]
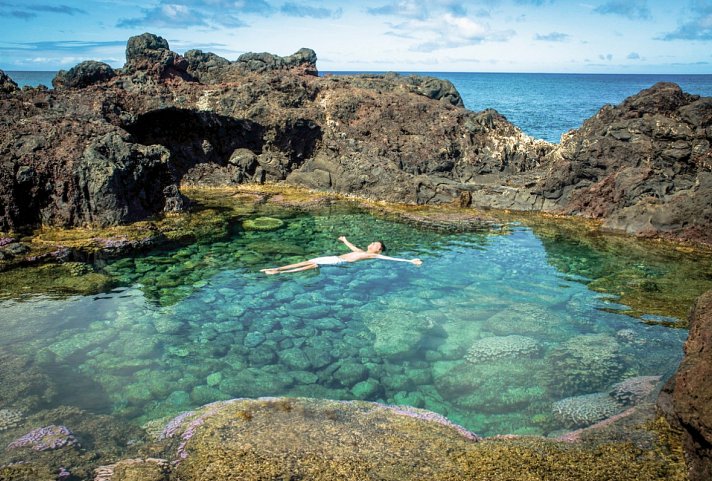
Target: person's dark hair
[(383, 246)]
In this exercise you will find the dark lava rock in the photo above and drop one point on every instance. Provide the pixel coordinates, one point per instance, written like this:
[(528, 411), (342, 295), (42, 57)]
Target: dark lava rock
[(117, 152), (7, 85), (119, 182), (145, 47), (644, 167), (209, 68), (85, 74), (151, 55), (260, 62), (687, 398)]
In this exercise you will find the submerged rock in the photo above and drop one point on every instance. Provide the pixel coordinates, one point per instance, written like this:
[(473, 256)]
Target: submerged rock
[(585, 410), (10, 418), (584, 363), (397, 332), (635, 389), (262, 224), (45, 438), (492, 348)]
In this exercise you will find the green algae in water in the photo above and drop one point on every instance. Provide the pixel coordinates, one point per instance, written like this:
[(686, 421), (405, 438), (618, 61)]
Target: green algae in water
[(200, 323)]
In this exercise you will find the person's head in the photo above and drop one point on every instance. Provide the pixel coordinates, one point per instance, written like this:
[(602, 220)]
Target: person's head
[(377, 247)]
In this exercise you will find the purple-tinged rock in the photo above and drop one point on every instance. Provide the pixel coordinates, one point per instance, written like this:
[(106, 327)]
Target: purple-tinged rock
[(46, 438), (174, 425), (432, 417)]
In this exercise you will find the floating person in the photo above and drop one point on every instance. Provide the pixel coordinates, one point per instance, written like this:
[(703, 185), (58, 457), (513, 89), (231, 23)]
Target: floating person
[(373, 251)]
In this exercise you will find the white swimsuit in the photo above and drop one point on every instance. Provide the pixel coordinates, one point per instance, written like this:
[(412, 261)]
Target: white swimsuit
[(327, 261)]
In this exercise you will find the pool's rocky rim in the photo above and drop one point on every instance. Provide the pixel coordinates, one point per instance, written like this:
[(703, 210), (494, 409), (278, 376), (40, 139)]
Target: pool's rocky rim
[(538, 452), (302, 438), (60, 262)]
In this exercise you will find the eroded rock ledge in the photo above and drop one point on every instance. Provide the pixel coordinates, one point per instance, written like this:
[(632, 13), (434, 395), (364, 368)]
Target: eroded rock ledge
[(114, 146)]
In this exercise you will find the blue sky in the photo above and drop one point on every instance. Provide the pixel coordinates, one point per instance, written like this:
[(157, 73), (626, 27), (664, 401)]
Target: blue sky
[(597, 36)]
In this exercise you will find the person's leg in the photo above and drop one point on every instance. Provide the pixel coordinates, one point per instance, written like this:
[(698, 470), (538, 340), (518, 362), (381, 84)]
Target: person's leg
[(302, 266), (290, 266), (305, 268)]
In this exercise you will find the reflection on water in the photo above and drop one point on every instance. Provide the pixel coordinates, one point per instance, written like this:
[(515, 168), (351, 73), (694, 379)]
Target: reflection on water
[(499, 332)]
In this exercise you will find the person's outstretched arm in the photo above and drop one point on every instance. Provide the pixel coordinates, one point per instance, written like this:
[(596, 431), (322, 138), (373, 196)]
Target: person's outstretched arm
[(417, 262), (349, 244)]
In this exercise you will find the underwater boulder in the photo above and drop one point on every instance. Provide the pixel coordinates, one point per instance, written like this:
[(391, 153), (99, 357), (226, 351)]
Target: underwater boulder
[(584, 363), (397, 332), (10, 418), (579, 411), (635, 389), (497, 347), (262, 224)]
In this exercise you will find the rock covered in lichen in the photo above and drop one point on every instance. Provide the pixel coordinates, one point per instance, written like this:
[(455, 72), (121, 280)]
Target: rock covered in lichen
[(497, 347), (585, 410), (277, 437), (634, 389), (322, 440)]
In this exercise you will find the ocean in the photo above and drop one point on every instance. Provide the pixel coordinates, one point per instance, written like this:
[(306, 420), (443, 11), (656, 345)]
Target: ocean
[(542, 105)]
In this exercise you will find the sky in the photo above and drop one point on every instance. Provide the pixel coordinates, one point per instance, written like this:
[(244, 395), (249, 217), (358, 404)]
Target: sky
[(593, 36)]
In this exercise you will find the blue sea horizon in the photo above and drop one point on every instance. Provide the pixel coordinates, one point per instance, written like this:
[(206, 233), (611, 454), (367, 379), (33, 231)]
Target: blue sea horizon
[(543, 105)]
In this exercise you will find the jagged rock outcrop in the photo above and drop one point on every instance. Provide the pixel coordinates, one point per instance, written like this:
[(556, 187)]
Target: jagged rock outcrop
[(150, 54), (83, 75), (642, 167), (687, 398), (7, 85), (209, 68)]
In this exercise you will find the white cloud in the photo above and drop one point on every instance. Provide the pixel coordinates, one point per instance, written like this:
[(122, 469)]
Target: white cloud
[(447, 30)]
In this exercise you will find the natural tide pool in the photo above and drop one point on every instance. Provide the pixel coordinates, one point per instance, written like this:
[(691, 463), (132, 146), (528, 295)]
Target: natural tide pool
[(499, 330)]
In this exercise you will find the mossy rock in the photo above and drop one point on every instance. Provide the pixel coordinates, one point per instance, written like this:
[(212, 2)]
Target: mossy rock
[(262, 224), (297, 438), (27, 472)]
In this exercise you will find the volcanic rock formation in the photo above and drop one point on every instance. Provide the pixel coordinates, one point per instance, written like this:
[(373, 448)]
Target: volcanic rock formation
[(112, 146)]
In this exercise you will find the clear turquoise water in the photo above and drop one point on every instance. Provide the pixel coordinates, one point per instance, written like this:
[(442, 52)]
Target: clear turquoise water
[(201, 323)]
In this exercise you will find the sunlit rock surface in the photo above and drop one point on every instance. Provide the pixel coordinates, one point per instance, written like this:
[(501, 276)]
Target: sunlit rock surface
[(166, 119)]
